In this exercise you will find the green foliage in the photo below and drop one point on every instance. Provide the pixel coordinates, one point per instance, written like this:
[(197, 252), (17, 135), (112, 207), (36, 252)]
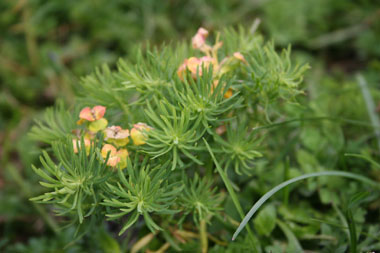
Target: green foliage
[(146, 190), (205, 102), (272, 75), (148, 75), (313, 24), (239, 148), (56, 124), (200, 199), (76, 182), (269, 194), (172, 133), (179, 112), (265, 220), (264, 117)]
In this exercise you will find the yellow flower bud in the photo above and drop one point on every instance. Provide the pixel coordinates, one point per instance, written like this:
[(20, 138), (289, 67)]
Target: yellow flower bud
[(138, 133)]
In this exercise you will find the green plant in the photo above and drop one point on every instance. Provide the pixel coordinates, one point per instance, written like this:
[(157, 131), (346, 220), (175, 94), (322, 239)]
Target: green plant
[(172, 113)]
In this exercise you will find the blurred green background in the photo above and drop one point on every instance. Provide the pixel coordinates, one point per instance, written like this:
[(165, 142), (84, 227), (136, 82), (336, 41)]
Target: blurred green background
[(46, 46)]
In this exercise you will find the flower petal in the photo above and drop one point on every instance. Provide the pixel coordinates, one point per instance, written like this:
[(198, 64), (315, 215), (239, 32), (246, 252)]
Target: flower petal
[(86, 114), (98, 111), (113, 161), (108, 148)]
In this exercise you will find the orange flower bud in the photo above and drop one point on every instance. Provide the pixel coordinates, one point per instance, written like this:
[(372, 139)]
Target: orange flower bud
[(228, 93), (240, 57), (195, 65), (92, 114), (199, 39)]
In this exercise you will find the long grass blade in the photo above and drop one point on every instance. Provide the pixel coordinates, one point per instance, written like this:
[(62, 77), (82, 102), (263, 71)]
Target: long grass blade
[(370, 104), (269, 194)]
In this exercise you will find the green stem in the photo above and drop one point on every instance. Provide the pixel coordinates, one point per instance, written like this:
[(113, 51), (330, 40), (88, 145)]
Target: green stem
[(230, 190), (286, 177), (203, 236)]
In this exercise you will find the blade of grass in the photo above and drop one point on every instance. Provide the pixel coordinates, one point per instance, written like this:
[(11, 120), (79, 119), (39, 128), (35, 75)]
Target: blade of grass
[(269, 194), (377, 166), (335, 119), (352, 230), (370, 106)]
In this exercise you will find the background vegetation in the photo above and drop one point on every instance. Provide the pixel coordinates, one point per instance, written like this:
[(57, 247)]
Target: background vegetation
[(46, 46)]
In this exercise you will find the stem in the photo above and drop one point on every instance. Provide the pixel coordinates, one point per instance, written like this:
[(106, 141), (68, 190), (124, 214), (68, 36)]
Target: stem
[(231, 191), (286, 177), (203, 236)]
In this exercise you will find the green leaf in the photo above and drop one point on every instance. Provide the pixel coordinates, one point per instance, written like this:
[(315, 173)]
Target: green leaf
[(265, 221), (294, 245), (107, 243), (130, 222), (327, 196)]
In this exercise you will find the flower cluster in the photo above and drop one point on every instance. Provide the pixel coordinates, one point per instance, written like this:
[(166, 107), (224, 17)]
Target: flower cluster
[(116, 137), (194, 65)]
